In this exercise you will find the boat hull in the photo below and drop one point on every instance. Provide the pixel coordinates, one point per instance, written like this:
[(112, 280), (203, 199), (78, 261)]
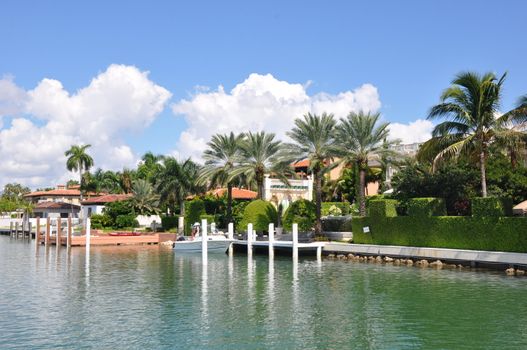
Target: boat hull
[(213, 246)]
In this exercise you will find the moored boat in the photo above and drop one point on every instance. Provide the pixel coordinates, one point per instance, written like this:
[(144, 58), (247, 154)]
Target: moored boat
[(215, 244)]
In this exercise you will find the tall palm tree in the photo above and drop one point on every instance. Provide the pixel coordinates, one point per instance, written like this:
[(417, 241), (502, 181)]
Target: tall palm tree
[(471, 109), (261, 154), (177, 180), (361, 137), (150, 166), (78, 160), (221, 159), (314, 140), (144, 201), (126, 180)]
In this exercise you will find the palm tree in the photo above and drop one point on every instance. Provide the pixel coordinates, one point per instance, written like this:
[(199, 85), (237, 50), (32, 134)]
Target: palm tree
[(314, 137), (150, 166), (360, 137), (144, 201), (177, 180), (221, 159), (78, 160), (471, 109), (261, 154), (126, 180)]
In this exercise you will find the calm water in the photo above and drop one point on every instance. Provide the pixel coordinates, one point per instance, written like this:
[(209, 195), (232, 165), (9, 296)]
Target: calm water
[(150, 298)]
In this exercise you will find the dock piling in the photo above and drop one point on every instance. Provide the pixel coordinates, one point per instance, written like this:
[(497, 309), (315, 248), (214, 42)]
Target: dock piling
[(181, 225), (295, 241), (48, 230), (68, 239), (204, 240), (271, 240), (231, 237), (59, 232), (250, 240), (37, 233), (88, 235)]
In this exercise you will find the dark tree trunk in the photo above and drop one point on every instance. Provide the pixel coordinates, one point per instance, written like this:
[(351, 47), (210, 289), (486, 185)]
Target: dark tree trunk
[(318, 202), (514, 160), (229, 203), (483, 174), (182, 207), (362, 185)]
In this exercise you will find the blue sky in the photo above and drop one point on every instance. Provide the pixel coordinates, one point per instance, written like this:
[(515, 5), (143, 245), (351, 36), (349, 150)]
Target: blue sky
[(408, 50)]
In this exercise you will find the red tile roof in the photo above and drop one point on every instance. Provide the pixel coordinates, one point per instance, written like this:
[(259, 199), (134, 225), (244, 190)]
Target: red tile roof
[(237, 193), (55, 205), (109, 198), (301, 164), (59, 192)]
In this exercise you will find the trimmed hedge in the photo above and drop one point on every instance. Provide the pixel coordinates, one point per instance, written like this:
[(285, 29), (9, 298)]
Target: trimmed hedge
[(491, 206), (507, 234), (426, 207), (194, 210), (336, 224), (259, 213), (210, 218), (328, 208), (169, 222), (383, 208), (302, 212)]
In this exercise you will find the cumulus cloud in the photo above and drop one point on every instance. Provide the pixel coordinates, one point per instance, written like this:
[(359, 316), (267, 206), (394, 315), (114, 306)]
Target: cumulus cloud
[(261, 102), (122, 98), (414, 132)]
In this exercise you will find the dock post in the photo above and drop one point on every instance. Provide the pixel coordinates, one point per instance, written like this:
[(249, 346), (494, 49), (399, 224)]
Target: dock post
[(68, 239), (271, 240), (11, 228), (59, 231), (16, 229), (231, 237), (295, 241), (319, 253), (181, 225), (37, 233), (88, 235), (48, 229), (204, 240), (250, 240), (29, 229)]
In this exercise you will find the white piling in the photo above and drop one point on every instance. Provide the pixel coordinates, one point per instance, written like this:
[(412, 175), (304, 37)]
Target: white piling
[(271, 240), (212, 228), (204, 240), (319, 253), (231, 237), (295, 241), (250, 240), (181, 225), (88, 235)]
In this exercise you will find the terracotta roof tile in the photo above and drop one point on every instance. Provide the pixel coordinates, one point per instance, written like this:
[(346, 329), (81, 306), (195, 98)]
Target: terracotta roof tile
[(55, 205), (109, 198), (237, 193)]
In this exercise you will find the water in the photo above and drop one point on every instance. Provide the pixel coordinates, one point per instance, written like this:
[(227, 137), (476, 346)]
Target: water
[(149, 298)]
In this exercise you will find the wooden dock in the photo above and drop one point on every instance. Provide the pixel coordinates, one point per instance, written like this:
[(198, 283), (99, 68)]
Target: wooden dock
[(103, 239), (280, 247)]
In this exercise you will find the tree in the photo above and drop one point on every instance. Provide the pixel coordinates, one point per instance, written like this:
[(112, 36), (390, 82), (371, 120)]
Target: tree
[(314, 140), (471, 109), (221, 158), (14, 192), (149, 167), (360, 137), (126, 180), (78, 160), (176, 181), (261, 154), (144, 201)]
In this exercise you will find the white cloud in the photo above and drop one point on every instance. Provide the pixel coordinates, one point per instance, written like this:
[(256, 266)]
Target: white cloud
[(260, 102), (416, 131), (122, 98)]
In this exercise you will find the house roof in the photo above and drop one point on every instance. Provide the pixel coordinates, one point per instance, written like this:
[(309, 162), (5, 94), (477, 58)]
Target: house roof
[(237, 193), (109, 198), (301, 164), (55, 205), (59, 192)]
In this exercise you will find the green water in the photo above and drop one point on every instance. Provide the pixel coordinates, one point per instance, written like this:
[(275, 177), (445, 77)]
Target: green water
[(150, 298)]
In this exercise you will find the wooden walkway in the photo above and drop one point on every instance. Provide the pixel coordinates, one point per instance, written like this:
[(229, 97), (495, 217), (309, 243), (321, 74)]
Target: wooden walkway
[(101, 240)]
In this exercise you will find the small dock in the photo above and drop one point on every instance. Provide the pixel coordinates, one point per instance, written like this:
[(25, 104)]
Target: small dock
[(280, 247), (105, 240)]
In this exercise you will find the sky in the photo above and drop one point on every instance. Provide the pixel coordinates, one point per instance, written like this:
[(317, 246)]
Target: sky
[(129, 77)]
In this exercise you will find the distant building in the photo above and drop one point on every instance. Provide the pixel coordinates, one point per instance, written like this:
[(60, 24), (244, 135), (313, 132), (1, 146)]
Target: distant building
[(95, 205), (279, 193), (237, 193)]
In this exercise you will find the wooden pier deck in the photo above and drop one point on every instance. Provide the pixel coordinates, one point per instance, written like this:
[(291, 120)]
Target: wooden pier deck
[(284, 247), (105, 240)]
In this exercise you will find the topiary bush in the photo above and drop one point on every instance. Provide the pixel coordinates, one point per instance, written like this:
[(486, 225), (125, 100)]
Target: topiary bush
[(169, 222), (426, 207), (491, 206), (193, 211), (126, 221), (99, 221), (302, 212), (383, 208), (335, 208), (259, 213)]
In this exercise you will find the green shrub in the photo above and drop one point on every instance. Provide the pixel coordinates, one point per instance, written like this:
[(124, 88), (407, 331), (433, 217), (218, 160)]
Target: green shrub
[(302, 212), (383, 208), (426, 207), (481, 233), (336, 224), (333, 208), (491, 206), (169, 222), (259, 213), (99, 221), (210, 219), (238, 208), (193, 211), (123, 221)]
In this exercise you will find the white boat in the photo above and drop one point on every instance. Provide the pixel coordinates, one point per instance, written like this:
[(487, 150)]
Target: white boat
[(215, 244)]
